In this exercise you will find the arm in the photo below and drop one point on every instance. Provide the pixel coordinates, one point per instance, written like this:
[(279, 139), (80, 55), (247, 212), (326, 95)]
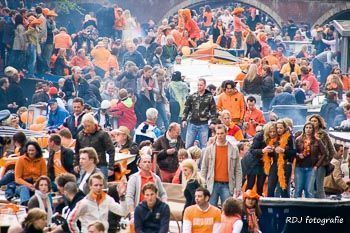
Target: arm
[(165, 220), (77, 156), (212, 109), (219, 104), (138, 221), (43, 167), (187, 224), (242, 108), (74, 216), (237, 226), (108, 144), (117, 208), (19, 173), (238, 173), (322, 152), (68, 160), (205, 163), (130, 193), (162, 193), (188, 108), (216, 227), (337, 176)]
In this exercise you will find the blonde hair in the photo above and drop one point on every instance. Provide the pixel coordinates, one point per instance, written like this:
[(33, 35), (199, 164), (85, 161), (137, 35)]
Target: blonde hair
[(89, 118), (252, 72), (266, 129), (195, 152), (192, 165)]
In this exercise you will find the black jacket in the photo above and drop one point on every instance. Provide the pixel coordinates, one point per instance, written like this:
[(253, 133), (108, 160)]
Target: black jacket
[(189, 192), (268, 87), (108, 123), (152, 221), (101, 141), (69, 123), (167, 162), (71, 205), (67, 158), (15, 94), (3, 99)]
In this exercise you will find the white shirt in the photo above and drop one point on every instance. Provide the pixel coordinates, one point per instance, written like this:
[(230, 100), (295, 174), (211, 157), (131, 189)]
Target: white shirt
[(83, 181)]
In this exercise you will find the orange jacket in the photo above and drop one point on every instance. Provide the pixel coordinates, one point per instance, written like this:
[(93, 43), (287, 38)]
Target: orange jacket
[(101, 57), (233, 103), (27, 168), (346, 83), (235, 131), (255, 115)]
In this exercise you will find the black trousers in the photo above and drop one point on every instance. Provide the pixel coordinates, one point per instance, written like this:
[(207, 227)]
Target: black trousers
[(273, 180), (259, 179)]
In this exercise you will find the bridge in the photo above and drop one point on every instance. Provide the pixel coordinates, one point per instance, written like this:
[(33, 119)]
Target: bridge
[(310, 11)]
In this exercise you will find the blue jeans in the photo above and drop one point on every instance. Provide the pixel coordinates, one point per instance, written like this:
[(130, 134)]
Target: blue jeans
[(24, 194), (220, 190), (304, 180), (319, 67), (162, 116), (266, 102), (320, 174), (31, 59), (194, 130)]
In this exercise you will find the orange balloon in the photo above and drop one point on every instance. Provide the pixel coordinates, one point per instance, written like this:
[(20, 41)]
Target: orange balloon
[(25, 117), (113, 102), (186, 50), (37, 127), (40, 120), (43, 142)]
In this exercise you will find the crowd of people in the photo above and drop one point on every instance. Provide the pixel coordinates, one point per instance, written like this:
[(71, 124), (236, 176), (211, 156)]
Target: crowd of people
[(121, 95)]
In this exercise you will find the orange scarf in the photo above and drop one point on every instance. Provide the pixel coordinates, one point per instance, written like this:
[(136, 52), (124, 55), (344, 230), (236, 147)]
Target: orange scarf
[(280, 160), (98, 198)]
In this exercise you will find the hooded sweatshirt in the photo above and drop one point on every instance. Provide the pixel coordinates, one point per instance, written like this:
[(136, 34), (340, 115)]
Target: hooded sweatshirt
[(124, 111)]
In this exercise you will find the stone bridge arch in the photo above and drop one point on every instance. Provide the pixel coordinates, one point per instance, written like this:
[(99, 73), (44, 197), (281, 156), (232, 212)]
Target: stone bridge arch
[(254, 3), (339, 9)]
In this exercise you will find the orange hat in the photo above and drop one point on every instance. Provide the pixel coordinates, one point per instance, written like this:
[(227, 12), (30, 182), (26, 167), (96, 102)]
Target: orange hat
[(53, 91), (238, 10), (251, 194), (51, 13), (46, 11), (36, 22)]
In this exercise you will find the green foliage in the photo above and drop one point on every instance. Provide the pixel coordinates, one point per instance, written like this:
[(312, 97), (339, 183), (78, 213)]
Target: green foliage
[(66, 6)]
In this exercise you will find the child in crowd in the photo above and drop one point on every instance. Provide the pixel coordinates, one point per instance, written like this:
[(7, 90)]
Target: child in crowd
[(231, 220), (251, 212)]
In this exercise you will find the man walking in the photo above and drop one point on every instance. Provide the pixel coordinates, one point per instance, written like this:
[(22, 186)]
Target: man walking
[(199, 109), (221, 168)]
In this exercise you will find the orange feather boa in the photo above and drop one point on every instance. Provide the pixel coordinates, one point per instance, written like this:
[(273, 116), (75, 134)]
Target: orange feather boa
[(280, 160)]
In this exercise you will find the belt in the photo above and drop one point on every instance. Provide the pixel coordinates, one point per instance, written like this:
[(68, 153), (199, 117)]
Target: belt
[(221, 182)]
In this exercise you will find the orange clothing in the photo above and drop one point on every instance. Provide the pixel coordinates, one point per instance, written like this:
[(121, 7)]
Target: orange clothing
[(113, 62), (227, 222), (62, 41), (145, 180), (233, 103), (272, 60), (240, 77), (81, 62), (27, 168), (238, 26), (202, 221), (235, 131), (58, 168), (253, 115), (119, 20), (346, 82), (221, 164), (286, 69), (101, 56)]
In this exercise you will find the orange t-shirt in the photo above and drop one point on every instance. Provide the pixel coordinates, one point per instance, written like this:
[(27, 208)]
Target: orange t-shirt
[(221, 164), (145, 180), (59, 169), (202, 221), (62, 41)]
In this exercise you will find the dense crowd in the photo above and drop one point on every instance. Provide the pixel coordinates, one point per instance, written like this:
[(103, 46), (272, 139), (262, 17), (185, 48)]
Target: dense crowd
[(121, 95)]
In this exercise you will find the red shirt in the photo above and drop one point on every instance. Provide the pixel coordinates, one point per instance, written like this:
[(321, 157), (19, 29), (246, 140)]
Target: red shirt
[(312, 83), (145, 180)]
